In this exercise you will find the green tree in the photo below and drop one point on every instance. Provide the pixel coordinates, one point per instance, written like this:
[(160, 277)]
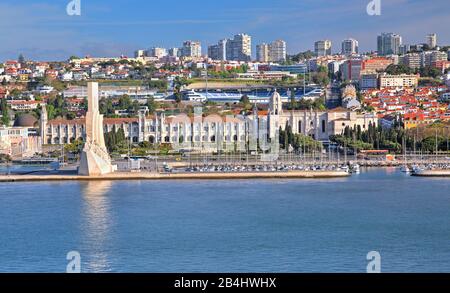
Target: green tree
[(5, 112), (125, 102), (152, 105), (245, 102)]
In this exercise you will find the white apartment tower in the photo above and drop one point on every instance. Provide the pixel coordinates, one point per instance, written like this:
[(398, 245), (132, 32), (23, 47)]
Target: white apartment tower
[(322, 48), (191, 49), (432, 41), (277, 51), (262, 53), (239, 48), (350, 47), (157, 52)]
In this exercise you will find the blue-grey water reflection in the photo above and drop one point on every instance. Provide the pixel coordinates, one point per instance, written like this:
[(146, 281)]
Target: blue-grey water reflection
[(245, 225)]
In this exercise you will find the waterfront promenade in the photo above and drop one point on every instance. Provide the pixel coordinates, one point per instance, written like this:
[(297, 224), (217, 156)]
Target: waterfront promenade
[(168, 176)]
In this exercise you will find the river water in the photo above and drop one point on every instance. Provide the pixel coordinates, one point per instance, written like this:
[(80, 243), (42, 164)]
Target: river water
[(325, 225)]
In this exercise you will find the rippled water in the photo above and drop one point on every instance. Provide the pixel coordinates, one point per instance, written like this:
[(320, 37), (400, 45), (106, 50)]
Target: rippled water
[(228, 226)]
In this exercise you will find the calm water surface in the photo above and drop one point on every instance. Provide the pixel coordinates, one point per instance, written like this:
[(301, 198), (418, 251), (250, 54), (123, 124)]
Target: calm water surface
[(224, 226)]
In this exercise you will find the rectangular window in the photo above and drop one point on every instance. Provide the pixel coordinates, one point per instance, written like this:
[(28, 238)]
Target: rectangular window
[(323, 126)]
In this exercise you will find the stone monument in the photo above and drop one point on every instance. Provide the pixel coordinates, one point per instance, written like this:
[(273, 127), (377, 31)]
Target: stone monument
[(95, 159)]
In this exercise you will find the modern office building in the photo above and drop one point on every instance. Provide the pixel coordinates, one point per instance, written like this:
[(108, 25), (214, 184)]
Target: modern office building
[(191, 49), (293, 69), (389, 44), (322, 48), (350, 47)]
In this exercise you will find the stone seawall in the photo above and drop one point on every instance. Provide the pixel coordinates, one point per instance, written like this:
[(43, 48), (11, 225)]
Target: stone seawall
[(432, 173), (167, 176)]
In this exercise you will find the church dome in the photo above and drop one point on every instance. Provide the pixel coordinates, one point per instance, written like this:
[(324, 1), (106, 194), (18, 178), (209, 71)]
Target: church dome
[(25, 120)]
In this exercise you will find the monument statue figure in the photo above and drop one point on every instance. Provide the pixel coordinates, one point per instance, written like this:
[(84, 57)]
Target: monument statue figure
[(95, 159)]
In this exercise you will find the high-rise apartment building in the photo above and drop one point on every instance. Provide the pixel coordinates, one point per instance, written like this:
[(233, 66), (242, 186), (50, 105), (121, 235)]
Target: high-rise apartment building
[(412, 60), (239, 48), (277, 51), (432, 41), (322, 48), (157, 52), (429, 58), (262, 53), (350, 47), (191, 49), (219, 51), (389, 44), (139, 54), (174, 52), (404, 49), (273, 52)]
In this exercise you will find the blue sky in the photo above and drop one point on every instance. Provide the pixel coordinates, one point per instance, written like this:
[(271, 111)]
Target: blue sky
[(41, 29)]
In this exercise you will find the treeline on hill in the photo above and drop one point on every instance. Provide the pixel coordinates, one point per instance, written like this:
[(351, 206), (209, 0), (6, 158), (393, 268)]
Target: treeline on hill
[(298, 142), (394, 139), (427, 71), (301, 56)]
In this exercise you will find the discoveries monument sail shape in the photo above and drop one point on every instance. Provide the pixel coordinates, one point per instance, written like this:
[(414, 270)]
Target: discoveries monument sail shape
[(95, 159)]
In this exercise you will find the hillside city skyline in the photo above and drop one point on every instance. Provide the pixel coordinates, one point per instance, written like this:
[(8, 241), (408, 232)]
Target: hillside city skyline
[(47, 33)]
